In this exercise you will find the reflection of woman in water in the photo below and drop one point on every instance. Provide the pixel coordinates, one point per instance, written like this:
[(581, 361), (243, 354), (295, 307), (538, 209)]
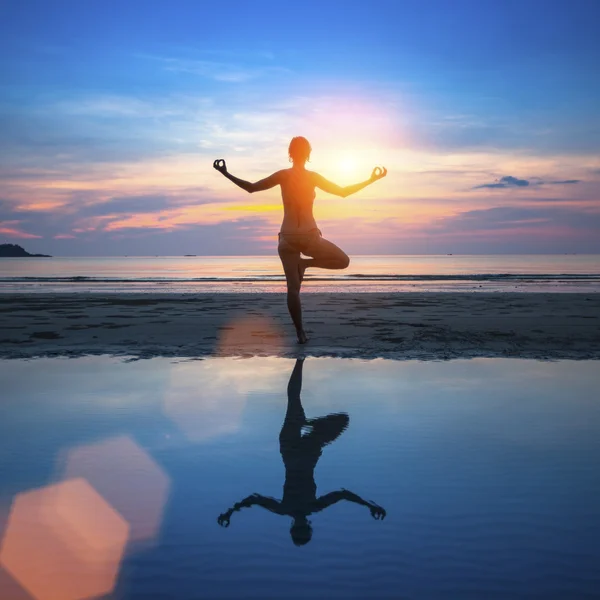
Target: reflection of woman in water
[(300, 455), (299, 232)]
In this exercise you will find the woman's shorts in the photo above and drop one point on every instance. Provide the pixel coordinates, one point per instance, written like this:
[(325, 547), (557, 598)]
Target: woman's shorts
[(299, 242)]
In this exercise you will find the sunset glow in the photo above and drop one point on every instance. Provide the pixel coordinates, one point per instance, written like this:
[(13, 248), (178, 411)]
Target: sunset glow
[(92, 162)]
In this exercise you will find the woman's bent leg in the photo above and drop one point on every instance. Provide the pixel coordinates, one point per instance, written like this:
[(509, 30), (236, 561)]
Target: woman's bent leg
[(325, 255)]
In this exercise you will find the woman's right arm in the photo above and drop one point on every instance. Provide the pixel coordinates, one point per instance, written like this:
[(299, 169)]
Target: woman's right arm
[(258, 186)]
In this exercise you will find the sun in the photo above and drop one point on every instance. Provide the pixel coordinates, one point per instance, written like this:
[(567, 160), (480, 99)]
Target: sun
[(347, 165)]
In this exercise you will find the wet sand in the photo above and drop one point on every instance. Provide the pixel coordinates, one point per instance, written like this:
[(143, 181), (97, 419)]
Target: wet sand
[(391, 325)]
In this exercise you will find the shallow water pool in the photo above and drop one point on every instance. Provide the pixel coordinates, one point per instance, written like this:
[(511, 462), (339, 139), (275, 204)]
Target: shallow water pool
[(276, 478)]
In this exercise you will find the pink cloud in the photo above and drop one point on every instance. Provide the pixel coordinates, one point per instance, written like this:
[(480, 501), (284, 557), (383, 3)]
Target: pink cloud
[(8, 229)]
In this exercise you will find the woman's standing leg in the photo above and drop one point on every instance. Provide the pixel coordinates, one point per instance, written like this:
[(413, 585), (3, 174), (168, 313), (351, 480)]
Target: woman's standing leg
[(290, 258)]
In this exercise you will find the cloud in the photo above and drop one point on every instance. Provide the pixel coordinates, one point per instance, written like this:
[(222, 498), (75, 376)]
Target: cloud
[(508, 181), (133, 205), (234, 237), (511, 217), (218, 71), (126, 107), (504, 182), (90, 216), (11, 230)]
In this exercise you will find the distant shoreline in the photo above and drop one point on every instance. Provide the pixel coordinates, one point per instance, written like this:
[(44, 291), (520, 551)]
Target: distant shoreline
[(16, 251)]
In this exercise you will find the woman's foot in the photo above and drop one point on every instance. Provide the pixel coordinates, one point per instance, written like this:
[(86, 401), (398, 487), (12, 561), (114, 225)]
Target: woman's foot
[(302, 337)]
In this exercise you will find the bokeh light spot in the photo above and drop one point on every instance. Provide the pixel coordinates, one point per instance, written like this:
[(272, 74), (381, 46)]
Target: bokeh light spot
[(64, 542), (251, 336), (207, 410), (206, 399), (128, 478)]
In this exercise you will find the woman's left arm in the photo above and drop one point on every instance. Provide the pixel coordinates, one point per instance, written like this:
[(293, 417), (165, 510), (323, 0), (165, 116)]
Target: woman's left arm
[(258, 186), (377, 512)]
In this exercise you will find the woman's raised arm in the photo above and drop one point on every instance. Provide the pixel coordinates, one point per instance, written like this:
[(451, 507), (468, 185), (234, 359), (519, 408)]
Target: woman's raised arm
[(258, 186), (333, 188)]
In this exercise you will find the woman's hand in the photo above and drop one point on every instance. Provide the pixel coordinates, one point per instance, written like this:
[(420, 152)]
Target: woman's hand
[(223, 519), (378, 173), (220, 165), (377, 512)]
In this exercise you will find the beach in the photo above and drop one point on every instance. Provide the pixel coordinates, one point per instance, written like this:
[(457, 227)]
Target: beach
[(161, 421), (410, 325)]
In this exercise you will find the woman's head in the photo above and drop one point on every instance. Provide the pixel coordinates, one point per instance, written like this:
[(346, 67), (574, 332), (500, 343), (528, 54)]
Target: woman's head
[(299, 150), (301, 531)]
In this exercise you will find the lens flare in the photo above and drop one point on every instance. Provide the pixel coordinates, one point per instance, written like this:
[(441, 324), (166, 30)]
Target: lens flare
[(204, 412), (127, 478), (251, 336), (64, 542)]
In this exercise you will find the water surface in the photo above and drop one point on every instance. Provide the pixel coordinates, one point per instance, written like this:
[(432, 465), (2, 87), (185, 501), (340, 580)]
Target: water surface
[(541, 273), (486, 471)]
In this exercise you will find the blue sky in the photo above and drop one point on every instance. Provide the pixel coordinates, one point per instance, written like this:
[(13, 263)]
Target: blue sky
[(111, 114)]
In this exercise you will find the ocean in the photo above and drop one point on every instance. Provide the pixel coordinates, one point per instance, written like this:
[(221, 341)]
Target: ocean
[(189, 274)]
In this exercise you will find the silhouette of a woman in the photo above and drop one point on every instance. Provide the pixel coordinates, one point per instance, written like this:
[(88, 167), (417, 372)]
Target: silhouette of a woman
[(299, 232), (300, 455)]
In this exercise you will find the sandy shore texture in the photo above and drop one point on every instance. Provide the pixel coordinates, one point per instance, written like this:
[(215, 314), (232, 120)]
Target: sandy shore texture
[(392, 325)]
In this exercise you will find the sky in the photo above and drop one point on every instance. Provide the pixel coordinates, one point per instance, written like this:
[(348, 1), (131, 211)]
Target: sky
[(486, 115)]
